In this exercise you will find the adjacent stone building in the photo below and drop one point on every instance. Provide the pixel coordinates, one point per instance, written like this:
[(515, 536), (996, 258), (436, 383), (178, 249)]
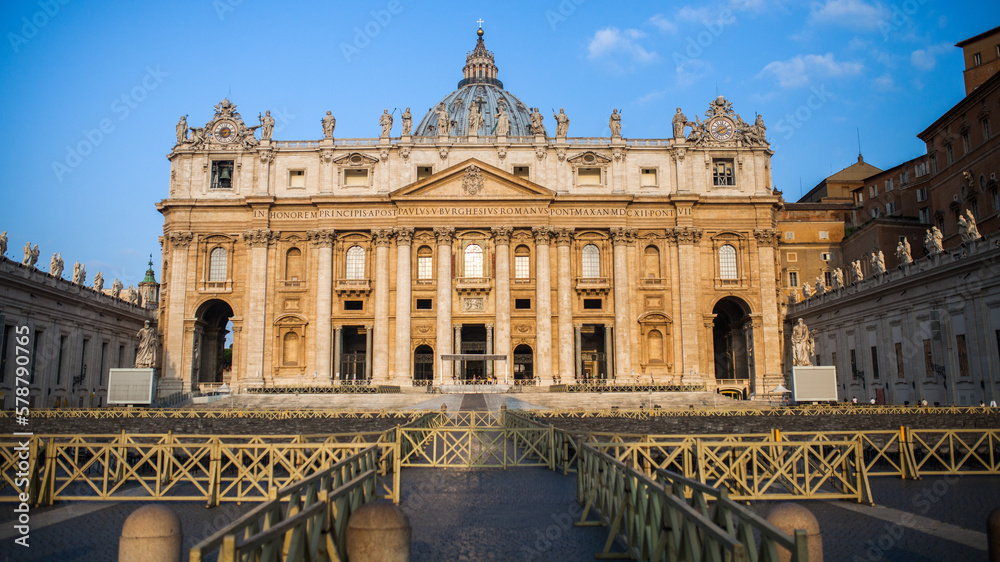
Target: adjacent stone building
[(479, 231)]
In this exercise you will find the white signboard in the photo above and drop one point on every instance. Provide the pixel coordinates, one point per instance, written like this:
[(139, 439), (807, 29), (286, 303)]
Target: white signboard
[(131, 386), (814, 384)]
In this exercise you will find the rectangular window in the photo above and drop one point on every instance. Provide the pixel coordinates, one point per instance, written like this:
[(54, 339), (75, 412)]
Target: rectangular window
[(793, 279), (899, 360), (875, 374), (928, 359), (593, 304), (647, 177), (875, 211), (986, 128), (356, 177), (872, 191), (83, 362), (789, 235), (589, 176), (963, 356), (522, 267), (425, 304), (522, 304), (34, 353), (966, 143), (921, 194), (100, 370), (354, 305), (859, 198), (828, 278), (996, 200), (296, 178), (722, 173), (222, 174), (121, 356), (59, 360), (890, 207), (824, 235), (888, 184), (792, 256), (949, 153), (424, 172), (924, 215), (977, 59), (523, 171), (826, 256), (854, 365), (425, 267)]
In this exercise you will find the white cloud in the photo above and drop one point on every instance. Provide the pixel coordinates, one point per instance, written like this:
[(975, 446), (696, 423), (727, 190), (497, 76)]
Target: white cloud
[(612, 42), (853, 14), (663, 24), (884, 83), (926, 59), (797, 72), (651, 96)]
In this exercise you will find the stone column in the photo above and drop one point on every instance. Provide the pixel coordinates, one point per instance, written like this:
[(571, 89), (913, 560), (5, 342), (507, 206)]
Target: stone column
[(501, 243), (458, 349), (258, 241), (444, 235), (691, 321), (337, 338), (380, 360), (578, 339), (564, 297), (609, 363), (489, 349), (621, 238), (176, 291), (543, 305), (368, 350), (322, 240), (404, 241)]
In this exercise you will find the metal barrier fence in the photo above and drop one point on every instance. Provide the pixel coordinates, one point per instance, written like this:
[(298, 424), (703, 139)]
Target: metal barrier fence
[(172, 413), (306, 520), (476, 440), (656, 411)]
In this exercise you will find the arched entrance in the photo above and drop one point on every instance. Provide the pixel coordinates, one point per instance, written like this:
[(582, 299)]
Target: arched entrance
[(423, 365), (208, 353), (524, 363), (732, 340)]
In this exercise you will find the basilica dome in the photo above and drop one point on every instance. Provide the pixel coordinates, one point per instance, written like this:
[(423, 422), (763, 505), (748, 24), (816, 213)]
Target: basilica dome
[(479, 86)]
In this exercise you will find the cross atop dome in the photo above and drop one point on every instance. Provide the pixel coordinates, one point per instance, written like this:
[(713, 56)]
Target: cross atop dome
[(479, 64)]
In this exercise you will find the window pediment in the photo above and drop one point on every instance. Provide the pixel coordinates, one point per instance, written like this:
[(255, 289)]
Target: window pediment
[(355, 159), (589, 158)]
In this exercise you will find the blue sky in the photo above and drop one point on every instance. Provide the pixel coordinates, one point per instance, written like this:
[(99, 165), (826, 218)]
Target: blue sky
[(91, 91)]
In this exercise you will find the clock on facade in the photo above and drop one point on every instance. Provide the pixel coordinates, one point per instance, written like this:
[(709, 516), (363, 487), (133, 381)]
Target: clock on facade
[(224, 131), (722, 129)]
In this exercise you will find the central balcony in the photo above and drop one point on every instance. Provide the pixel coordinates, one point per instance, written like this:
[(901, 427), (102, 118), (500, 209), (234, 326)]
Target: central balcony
[(353, 286), (593, 285), (473, 285)]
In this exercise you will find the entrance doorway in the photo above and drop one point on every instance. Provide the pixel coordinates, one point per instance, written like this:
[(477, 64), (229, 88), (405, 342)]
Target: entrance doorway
[(208, 356), (353, 355), (732, 339), (523, 363), (474, 342), (423, 365), (593, 352)]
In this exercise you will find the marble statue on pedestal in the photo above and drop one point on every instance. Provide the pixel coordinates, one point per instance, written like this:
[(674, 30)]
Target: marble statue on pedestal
[(444, 120), (967, 228), (266, 125), (475, 120), (803, 345), (3, 243), (537, 122), (903, 252), (679, 122), (182, 130), (386, 122), (615, 122), (820, 285), (145, 357), (329, 124), (407, 118), (859, 276), (562, 123), (878, 262), (79, 273), (30, 255), (838, 278), (932, 241), (116, 288), (806, 291), (99, 282), (56, 265), (503, 121)]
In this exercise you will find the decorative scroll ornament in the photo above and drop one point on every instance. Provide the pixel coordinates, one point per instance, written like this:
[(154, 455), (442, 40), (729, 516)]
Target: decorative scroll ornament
[(472, 181)]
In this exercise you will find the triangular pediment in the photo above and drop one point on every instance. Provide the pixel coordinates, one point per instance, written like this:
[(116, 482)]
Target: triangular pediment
[(473, 180)]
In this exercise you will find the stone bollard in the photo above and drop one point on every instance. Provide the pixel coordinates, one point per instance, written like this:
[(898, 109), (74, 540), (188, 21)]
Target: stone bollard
[(151, 534), (791, 516), (378, 532), (993, 534)]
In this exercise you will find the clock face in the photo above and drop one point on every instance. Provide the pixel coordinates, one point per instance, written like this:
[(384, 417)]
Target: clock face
[(224, 132), (722, 129)]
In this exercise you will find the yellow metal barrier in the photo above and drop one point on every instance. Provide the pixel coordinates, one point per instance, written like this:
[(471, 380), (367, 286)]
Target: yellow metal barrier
[(190, 413), (754, 410)]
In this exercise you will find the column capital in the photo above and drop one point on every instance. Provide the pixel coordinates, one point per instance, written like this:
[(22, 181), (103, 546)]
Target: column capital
[(501, 235), (564, 236), (369, 327), (685, 234), (766, 237), (404, 235), (444, 235), (489, 326), (321, 238), (180, 239), (260, 237), (543, 234), (382, 236), (621, 236)]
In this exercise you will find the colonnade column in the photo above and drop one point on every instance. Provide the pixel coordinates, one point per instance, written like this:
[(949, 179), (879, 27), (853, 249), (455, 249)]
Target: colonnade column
[(337, 338), (458, 349), (489, 350), (322, 240), (444, 238), (380, 360), (578, 338), (621, 238), (368, 351), (258, 241), (172, 366), (564, 297), (404, 241), (609, 363), (501, 243), (691, 320), (543, 305)]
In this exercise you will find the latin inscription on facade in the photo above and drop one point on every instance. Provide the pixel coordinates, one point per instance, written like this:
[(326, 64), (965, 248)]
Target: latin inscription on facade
[(462, 211)]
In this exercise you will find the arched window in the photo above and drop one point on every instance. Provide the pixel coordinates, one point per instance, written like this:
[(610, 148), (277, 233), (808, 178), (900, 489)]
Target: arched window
[(355, 262), (522, 262), (293, 265), (474, 260), (290, 349), (654, 346), (651, 262), (727, 263), (425, 263), (217, 265), (591, 261)]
